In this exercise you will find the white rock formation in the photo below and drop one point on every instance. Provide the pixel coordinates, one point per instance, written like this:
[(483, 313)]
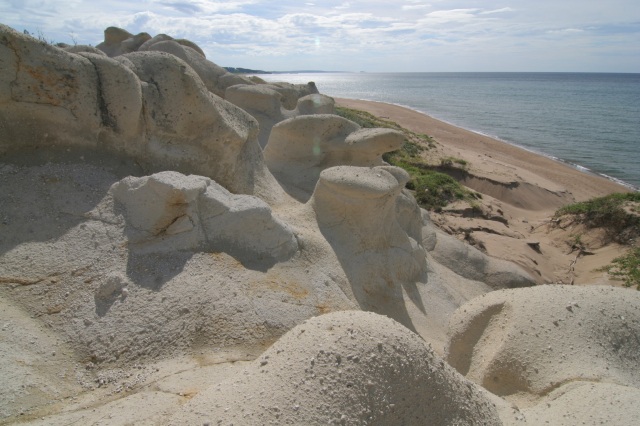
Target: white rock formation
[(265, 103), (115, 279), (296, 159), (169, 211), (349, 368), (150, 106), (535, 340), (356, 211)]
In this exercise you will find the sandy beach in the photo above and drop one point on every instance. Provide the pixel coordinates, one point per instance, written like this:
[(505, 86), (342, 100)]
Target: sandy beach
[(498, 158), (526, 189)]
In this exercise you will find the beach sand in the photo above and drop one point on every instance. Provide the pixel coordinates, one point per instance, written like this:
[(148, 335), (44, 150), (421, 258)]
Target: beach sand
[(524, 189)]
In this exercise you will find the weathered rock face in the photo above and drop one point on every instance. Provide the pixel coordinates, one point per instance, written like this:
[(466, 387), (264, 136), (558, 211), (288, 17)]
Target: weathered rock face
[(471, 263), (296, 159), (150, 106), (47, 96), (208, 72), (118, 41), (356, 209), (265, 103), (533, 340), (169, 211), (347, 367)]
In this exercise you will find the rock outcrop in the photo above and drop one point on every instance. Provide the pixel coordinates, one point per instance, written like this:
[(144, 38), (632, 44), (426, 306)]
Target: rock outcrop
[(142, 231), (356, 211), (535, 340), (297, 160), (265, 103), (169, 211), (347, 367), (150, 106)]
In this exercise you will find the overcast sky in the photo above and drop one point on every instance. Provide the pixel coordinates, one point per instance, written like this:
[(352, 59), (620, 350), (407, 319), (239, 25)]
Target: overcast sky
[(403, 35)]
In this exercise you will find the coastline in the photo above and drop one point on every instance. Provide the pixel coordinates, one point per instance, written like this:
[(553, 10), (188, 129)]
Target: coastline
[(498, 159), (521, 190)]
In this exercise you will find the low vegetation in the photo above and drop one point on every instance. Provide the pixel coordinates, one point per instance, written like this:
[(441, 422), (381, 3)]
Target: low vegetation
[(453, 162), (619, 215), (626, 268), (433, 189)]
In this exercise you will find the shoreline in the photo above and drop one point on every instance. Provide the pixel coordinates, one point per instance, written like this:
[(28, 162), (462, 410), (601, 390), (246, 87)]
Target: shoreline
[(497, 156), (576, 166)]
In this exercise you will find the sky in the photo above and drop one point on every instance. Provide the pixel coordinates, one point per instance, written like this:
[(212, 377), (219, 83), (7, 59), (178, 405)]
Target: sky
[(372, 36)]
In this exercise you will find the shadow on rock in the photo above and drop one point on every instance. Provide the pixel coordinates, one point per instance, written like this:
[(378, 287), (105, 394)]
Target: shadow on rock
[(169, 213), (356, 209)]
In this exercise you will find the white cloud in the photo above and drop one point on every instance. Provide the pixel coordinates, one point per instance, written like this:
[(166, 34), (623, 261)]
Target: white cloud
[(565, 31), (290, 35), (453, 15), (503, 10), (415, 6)]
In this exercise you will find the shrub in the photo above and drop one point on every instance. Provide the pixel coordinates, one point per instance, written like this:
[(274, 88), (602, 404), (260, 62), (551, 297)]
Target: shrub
[(614, 213), (452, 161), (626, 268)]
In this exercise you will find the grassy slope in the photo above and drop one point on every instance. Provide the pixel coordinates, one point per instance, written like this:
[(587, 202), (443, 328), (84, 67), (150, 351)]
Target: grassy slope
[(433, 190)]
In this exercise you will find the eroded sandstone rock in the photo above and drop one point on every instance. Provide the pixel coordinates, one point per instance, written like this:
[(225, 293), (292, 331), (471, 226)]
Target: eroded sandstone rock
[(169, 211), (148, 106), (265, 103), (347, 367), (356, 209), (534, 340), (300, 148)]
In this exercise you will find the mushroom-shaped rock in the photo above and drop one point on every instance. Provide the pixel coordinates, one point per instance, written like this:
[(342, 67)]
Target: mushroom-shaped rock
[(346, 367), (315, 104), (292, 92), (300, 148), (170, 211), (360, 198), (356, 211), (118, 41), (534, 340), (264, 103)]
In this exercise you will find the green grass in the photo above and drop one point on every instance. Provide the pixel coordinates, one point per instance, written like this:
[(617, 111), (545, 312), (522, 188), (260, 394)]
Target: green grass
[(433, 190), (619, 215), (609, 213), (626, 268), (453, 161), (368, 120)]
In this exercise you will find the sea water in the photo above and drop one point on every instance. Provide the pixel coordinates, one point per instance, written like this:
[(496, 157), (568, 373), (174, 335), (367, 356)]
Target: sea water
[(588, 120)]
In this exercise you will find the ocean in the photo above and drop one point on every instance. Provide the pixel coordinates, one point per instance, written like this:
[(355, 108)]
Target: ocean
[(588, 120)]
